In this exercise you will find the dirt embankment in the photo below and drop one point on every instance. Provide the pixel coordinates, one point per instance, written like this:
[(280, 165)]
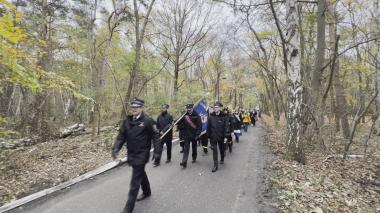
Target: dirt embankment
[(26, 170), (326, 183)]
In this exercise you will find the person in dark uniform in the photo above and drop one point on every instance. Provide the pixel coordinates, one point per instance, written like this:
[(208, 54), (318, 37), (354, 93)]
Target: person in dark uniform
[(217, 130), (236, 125), (228, 142), (164, 122), (192, 125), (253, 115), (137, 132)]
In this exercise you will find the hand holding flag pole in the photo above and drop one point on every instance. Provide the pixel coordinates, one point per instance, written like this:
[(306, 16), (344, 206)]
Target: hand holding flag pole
[(178, 119)]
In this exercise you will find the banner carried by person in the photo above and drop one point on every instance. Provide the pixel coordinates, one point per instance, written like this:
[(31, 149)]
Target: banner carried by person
[(201, 108)]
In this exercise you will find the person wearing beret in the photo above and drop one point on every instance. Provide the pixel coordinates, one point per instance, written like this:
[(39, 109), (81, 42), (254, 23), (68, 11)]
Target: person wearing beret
[(192, 125), (217, 130), (164, 122), (137, 133)]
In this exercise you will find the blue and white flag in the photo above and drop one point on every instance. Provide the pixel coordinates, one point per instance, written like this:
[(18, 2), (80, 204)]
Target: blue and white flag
[(201, 108)]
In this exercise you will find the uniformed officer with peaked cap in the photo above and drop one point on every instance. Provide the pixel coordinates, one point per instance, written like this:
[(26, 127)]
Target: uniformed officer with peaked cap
[(137, 132)]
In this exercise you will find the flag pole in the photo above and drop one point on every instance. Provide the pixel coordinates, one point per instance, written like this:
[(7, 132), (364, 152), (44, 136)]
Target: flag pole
[(178, 119)]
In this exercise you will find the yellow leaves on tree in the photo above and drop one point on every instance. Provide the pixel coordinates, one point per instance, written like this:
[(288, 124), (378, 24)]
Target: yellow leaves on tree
[(16, 66)]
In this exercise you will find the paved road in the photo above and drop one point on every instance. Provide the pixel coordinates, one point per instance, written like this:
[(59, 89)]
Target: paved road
[(232, 189)]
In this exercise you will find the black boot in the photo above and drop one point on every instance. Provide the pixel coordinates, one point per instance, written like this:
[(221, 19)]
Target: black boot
[(142, 197), (222, 161), (183, 164), (214, 169)]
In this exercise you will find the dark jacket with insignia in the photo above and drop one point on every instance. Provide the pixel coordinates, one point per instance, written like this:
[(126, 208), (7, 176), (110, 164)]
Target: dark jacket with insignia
[(138, 136), (217, 127), (164, 121), (189, 132)]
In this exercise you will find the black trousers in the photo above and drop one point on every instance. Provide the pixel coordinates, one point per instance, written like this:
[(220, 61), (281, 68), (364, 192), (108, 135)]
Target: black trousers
[(253, 121), (214, 146), (181, 139), (139, 178), (229, 143), (187, 149), (168, 143), (204, 142), (237, 138)]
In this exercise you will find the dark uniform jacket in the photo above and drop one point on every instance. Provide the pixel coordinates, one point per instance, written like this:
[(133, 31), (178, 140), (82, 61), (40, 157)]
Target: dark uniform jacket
[(189, 132), (236, 123), (217, 127), (138, 136), (164, 121), (229, 120), (253, 115)]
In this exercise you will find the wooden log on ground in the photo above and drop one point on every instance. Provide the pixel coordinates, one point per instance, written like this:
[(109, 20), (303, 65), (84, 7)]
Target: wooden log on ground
[(72, 129)]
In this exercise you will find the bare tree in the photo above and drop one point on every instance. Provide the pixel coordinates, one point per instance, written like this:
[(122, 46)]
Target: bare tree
[(117, 16), (341, 103), (295, 87), (319, 63), (140, 23), (216, 60), (183, 26)]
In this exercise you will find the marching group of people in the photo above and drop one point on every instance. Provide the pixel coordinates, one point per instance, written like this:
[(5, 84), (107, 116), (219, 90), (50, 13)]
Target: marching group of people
[(138, 131)]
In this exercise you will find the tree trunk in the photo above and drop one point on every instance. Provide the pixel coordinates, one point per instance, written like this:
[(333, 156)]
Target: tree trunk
[(241, 101), (276, 109), (176, 76), (295, 87), (6, 98), (377, 14), (235, 98), (340, 100), (94, 83), (136, 78), (40, 104), (319, 63)]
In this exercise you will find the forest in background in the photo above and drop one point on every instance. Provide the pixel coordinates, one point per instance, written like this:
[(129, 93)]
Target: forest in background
[(315, 64)]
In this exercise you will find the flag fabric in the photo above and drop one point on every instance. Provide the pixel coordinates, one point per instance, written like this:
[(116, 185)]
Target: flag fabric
[(201, 108)]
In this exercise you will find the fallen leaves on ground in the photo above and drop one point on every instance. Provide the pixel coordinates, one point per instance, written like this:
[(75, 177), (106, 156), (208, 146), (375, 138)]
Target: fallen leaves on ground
[(326, 183), (27, 170)]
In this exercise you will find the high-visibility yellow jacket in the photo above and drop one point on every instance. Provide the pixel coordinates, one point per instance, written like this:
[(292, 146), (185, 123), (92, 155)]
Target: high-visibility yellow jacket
[(246, 118)]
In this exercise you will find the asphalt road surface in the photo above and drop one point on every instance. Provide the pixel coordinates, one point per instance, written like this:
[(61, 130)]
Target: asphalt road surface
[(234, 188)]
